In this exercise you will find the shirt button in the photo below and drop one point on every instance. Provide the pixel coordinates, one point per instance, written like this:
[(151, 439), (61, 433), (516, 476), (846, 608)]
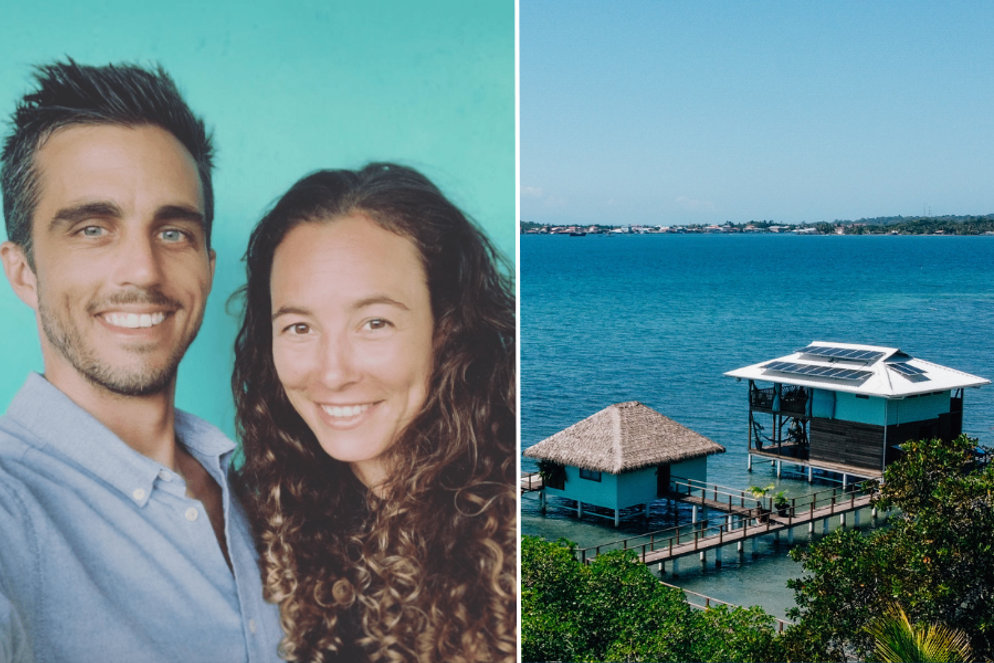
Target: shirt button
[(191, 514), (165, 475), (139, 494), (252, 625)]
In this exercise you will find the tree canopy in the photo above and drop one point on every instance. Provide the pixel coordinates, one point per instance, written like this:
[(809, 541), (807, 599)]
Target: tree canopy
[(935, 559), (615, 610)]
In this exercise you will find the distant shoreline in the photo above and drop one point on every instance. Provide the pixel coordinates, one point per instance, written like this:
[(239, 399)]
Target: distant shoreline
[(787, 233), (892, 225)]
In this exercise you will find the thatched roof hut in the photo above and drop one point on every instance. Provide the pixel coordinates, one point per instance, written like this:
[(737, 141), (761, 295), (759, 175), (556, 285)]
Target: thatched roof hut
[(623, 437)]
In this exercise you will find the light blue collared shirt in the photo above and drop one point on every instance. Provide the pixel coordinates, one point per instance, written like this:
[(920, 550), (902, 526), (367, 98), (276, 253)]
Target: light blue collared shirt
[(104, 558)]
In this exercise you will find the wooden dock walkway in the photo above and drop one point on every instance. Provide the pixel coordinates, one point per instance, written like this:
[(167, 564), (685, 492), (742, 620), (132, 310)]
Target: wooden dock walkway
[(530, 481), (738, 526)]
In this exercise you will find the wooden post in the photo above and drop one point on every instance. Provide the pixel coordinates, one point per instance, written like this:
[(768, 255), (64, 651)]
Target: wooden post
[(579, 510), (617, 517), (809, 473), (717, 557), (541, 500), (779, 468)]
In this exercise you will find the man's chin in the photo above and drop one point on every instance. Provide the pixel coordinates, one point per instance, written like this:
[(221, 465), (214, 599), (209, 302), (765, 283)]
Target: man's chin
[(132, 383)]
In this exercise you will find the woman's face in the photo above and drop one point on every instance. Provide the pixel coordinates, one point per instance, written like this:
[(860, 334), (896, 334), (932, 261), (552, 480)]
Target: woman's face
[(352, 336)]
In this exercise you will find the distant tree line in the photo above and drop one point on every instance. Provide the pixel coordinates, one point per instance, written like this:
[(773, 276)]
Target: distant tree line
[(882, 225)]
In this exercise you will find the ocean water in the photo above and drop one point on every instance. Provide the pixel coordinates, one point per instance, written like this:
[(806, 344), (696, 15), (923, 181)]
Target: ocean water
[(660, 318)]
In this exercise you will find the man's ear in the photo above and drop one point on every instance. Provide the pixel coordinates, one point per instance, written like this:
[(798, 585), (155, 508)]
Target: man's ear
[(22, 278)]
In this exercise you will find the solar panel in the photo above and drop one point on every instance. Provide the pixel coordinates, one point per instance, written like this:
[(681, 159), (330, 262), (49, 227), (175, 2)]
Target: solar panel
[(818, 371), (906, 369), (842, 353)]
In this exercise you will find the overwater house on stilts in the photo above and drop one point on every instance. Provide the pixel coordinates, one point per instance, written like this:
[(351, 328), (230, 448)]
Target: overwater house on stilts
[(626, 455), (847, 408)]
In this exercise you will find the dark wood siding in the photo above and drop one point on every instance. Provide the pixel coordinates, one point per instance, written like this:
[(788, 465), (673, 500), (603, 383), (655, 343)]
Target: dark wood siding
[(846, 442)]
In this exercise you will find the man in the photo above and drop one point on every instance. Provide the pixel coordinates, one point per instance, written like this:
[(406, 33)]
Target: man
[(120, 539)]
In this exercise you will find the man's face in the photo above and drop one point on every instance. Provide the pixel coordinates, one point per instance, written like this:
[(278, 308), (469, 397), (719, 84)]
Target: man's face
[(122, 269)]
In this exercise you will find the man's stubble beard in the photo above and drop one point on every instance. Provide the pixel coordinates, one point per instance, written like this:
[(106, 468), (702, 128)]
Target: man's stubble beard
[(142, 380)]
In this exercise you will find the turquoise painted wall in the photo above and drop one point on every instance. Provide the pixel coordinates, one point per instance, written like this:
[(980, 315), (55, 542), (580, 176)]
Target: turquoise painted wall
[(289, 88), (823, 403), (695, 468), (918, 408), (637, 487), (628, 489), (872, 410), (602, 493)]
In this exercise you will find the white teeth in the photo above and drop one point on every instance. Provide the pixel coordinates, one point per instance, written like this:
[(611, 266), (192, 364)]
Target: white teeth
[(134, 320), (344, 411)]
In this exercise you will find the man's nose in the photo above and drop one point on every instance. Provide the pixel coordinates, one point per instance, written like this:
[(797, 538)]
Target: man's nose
[(139, 262)]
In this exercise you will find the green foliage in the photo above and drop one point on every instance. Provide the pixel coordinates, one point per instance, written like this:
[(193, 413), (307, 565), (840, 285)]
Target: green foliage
[(936, 556), (897, 641), (758, 492), (616, 610)]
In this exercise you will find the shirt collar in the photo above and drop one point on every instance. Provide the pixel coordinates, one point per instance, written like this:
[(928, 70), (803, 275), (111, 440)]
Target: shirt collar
[(59, 424)]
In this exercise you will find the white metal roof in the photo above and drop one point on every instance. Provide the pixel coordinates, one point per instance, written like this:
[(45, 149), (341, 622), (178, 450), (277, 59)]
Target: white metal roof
[(874, 376)]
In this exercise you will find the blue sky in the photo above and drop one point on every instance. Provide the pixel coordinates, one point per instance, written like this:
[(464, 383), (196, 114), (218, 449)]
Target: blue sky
[(700, 112)]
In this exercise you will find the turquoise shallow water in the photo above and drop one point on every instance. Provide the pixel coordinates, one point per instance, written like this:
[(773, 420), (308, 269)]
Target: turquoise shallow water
[(659, 319)]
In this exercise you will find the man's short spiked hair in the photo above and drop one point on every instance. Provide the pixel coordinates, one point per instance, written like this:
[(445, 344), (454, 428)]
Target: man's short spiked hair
[(67, 94)]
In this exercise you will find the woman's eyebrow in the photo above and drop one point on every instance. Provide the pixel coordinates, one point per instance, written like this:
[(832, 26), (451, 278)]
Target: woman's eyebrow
[(379, 299), (290, 310)]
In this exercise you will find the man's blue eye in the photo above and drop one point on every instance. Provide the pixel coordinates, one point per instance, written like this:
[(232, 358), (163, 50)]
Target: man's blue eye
[(92, 231), (172, 235)]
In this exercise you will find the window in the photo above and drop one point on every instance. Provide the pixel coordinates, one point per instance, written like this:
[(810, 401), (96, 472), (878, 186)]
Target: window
[(590, 474)]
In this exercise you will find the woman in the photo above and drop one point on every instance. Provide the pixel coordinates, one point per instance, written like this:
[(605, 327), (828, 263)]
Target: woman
[(374, 383)]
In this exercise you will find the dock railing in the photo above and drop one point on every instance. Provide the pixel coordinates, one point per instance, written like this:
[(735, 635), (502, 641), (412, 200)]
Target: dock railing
[(744, 522), (735, 497), (707, 602), (530, 481)]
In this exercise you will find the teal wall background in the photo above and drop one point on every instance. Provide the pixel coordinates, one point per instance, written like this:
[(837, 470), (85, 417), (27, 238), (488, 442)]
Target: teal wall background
[(329, 83)]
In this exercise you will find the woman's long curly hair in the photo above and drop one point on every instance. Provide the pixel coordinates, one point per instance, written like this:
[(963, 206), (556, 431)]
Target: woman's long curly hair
[(426, 571)]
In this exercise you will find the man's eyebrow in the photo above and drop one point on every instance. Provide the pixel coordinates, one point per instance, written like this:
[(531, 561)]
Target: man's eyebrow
[(68, 216), (180, 213)]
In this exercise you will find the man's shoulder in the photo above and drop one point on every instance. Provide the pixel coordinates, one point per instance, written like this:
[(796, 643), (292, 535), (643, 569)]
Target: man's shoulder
[(15, 439)]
